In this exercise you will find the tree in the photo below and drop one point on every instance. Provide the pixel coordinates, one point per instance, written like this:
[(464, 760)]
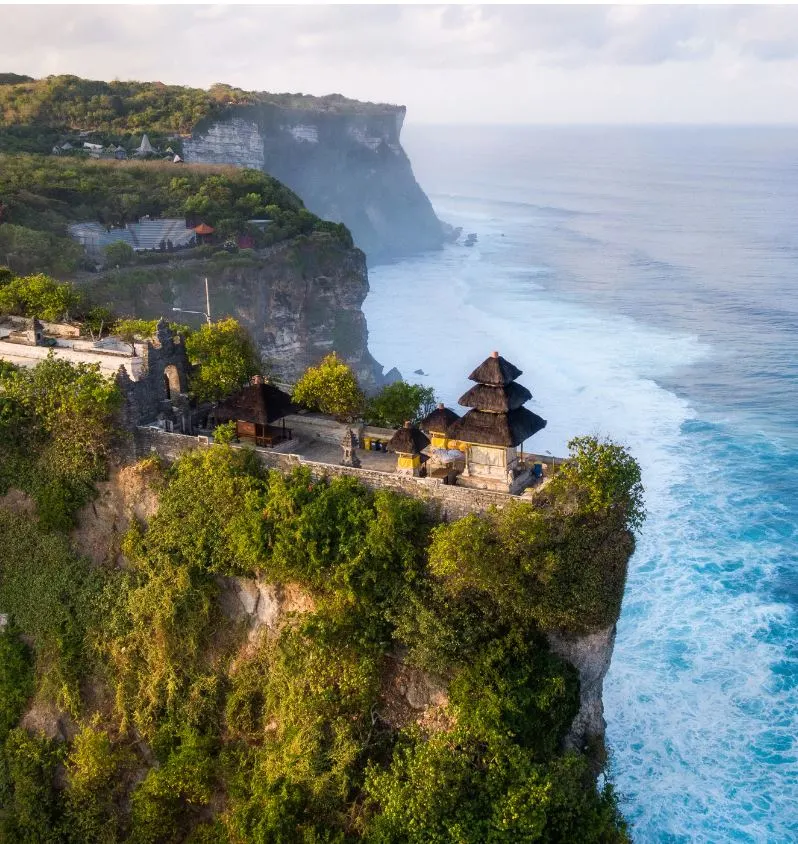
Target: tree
[(399, 402), (38, 296), (605, 476), (225, 357), (119, 254), (131, 330), (330, 387)]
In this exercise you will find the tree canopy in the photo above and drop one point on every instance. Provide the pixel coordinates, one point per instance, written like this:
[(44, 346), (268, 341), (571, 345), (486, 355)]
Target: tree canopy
[(225, 357), (331, 387), (400, 402), (38, 296)]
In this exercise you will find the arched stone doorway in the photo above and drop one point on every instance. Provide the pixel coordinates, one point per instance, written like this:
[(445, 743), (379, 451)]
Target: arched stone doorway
[(171, 381)]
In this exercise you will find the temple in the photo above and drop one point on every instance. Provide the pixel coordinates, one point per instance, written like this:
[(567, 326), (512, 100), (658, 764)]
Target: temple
[(436, 425), (408, 443), (496, 425)]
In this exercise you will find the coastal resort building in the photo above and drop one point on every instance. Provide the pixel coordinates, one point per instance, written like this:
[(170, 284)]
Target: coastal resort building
[(437, 424), (496, 425), (408, 443), (254, 409)]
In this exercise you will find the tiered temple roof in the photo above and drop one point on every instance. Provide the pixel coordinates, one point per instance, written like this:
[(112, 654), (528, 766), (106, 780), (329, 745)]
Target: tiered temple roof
[(498, 416)]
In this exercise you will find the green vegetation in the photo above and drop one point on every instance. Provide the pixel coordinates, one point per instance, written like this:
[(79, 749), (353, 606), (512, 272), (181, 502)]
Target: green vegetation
[(38, 296), (225, 357), (399, 402), (56, 432), (41, 195), (331, 387), (117, 109), (118, 254), (287, 738)]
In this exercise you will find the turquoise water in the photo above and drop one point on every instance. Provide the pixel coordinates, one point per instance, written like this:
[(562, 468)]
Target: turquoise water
[(646, 281)]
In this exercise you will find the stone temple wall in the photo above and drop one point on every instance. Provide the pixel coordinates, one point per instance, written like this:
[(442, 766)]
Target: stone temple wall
[(445, 502)]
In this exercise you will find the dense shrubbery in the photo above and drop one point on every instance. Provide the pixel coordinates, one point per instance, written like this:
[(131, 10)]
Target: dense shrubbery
[(56, 430), (38, 296), (43, 194), (286, 740)]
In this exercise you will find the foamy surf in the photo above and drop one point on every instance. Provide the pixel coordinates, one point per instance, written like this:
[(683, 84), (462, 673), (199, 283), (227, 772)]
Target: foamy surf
[(696, 754)]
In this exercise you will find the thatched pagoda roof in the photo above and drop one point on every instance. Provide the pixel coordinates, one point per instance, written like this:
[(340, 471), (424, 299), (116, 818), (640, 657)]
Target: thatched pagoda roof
[(408, 440), (495, 370), (502, 429), (496, 398), (439, 420), (258, 403)]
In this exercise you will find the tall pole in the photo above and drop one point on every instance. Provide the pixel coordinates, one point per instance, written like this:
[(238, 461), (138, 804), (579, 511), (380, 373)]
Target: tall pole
[(207, 302)]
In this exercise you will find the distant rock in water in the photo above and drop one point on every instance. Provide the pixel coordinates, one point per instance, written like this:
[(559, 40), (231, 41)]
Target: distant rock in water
[(419, 372), (345, 161), (392, 376)]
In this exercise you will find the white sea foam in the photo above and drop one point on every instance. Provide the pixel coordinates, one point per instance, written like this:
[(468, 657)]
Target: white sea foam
[(694, 661)]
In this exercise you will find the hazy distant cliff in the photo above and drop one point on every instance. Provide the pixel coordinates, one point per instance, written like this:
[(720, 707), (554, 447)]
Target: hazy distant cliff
[(347, 165)]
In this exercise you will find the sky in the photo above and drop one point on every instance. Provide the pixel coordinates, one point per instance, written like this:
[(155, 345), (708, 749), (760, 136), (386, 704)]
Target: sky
[(448, 64)]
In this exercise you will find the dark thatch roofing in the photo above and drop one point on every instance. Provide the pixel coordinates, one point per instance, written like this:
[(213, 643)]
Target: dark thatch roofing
[(495, 370), (258, 403), (504, 429), (496, 398), (408, 440), (439, 420)]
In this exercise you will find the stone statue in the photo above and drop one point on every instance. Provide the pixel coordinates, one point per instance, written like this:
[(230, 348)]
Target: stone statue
[(348, 446)]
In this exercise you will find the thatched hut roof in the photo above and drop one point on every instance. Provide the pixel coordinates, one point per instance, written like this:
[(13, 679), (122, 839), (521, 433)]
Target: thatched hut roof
[(501, 429), (258, 403), (495, 370), (408, 440), (439, 420), (496, 398)]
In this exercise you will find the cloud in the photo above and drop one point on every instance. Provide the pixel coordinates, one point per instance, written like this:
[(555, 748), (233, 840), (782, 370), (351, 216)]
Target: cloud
[(427, 36), (432, 58)]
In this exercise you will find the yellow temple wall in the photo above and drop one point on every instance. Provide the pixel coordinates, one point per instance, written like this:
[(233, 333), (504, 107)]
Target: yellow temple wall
[(408, 461)]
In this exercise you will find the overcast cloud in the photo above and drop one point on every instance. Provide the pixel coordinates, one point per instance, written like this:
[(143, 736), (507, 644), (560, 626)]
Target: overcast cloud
[(476, 64)]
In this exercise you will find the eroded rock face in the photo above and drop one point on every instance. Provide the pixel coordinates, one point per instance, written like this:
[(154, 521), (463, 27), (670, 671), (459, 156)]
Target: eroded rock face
[(590, 654), (263, 606), (409, 695), (347, 166), (300, 301), (128, 494)]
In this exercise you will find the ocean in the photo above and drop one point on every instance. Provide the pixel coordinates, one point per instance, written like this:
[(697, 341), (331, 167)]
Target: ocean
[(646, 282)]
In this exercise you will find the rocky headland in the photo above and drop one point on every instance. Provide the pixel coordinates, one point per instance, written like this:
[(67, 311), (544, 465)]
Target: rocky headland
[(347, 164)]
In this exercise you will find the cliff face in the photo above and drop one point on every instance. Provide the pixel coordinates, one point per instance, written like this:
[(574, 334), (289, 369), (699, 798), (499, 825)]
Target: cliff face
[(299, 302), (590, 654), (348, 166)]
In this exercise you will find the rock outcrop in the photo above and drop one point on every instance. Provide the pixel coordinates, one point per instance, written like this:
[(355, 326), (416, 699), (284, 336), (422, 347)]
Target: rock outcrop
[(299, 301), (347, 165), (590, 654)]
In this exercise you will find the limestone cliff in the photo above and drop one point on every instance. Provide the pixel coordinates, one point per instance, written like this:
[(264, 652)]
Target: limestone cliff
[(299, 301), (347, 165), (590, 654)]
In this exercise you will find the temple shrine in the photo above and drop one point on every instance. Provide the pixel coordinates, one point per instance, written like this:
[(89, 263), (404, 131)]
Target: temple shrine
[(492, 430)]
